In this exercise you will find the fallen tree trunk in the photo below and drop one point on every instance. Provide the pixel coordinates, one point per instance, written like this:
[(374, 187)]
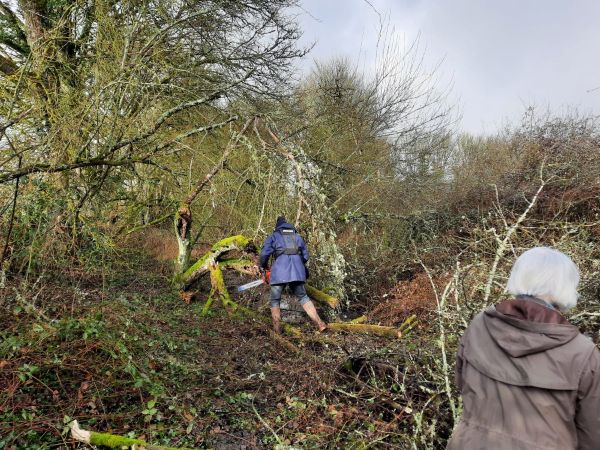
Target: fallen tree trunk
[(219, 290), (243, 265), (202, 266), (113, 440)]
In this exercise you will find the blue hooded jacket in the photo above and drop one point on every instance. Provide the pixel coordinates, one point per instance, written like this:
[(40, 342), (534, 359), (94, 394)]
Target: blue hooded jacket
[(285, 268)]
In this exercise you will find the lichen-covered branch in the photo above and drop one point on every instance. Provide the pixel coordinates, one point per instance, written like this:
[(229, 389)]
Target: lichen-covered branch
[(503, 244), (113, 440), (202, 266)]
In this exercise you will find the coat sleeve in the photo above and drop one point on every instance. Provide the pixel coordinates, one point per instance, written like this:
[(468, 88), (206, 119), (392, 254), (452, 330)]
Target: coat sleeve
[(303, 250), (458, 379), (267, 250), (587, 419)]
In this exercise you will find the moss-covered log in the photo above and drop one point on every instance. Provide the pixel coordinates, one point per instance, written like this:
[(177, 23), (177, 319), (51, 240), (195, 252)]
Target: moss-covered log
[(379, 330), (322, 297), (356, 326), (113, 440), (202, 266), (408, 324)]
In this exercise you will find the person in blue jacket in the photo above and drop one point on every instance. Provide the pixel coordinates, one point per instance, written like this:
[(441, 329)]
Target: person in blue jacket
[(290, 257)]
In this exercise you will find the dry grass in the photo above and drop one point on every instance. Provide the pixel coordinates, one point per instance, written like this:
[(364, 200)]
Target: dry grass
[(160, 244)]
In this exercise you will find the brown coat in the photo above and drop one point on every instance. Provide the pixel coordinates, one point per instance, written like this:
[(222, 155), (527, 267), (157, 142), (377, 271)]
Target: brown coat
[(529, 380)]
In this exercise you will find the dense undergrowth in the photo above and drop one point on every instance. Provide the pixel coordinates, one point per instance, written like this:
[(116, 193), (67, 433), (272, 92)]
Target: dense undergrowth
[(115, 347), (101, 337), (133, 359)]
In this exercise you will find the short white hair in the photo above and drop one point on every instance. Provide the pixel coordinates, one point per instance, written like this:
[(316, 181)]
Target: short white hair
[(547, 273)]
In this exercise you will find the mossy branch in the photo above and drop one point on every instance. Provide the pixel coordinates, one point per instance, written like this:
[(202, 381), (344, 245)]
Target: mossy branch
[(219, 289), (361, 319), (202, 265), (379, 330), (113, 440)]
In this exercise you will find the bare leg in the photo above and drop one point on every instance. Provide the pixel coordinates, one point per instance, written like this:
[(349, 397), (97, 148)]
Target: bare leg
[(276, 315), (310, 309)]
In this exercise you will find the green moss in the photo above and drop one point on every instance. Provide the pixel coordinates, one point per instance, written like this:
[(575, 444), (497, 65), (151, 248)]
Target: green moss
[(322, 297), (238, 241), (113, 441), (218, 285), (208, 304), (194, 267)]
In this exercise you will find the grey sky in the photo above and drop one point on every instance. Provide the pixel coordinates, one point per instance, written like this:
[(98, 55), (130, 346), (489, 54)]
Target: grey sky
[(501, 55)]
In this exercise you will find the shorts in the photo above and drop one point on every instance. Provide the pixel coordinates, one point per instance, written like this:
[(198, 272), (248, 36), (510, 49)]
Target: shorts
[(297, 287)]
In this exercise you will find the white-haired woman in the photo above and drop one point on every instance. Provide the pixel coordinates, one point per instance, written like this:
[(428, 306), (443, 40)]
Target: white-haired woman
[(528, 378)]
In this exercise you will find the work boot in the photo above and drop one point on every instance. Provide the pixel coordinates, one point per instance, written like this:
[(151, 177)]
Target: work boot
[(276, 315), (310, 309)]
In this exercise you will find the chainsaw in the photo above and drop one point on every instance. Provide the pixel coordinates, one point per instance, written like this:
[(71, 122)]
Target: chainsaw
[(265, 279)]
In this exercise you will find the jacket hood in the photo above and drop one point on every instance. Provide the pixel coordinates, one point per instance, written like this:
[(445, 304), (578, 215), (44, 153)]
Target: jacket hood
[(284, 225), (520, 337), (508, 346), (280, 221)]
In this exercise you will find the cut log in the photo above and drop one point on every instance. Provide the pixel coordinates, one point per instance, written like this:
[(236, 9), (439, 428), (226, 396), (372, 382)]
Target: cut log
[(113, 440), (365, 328), (322, 297), (359, 327)]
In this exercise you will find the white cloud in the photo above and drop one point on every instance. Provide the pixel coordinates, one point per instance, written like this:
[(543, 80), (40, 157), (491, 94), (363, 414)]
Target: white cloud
[(501, 55)]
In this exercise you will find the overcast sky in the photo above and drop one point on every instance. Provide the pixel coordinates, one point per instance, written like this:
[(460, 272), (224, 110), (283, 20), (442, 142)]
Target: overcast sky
[(501, 55)]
